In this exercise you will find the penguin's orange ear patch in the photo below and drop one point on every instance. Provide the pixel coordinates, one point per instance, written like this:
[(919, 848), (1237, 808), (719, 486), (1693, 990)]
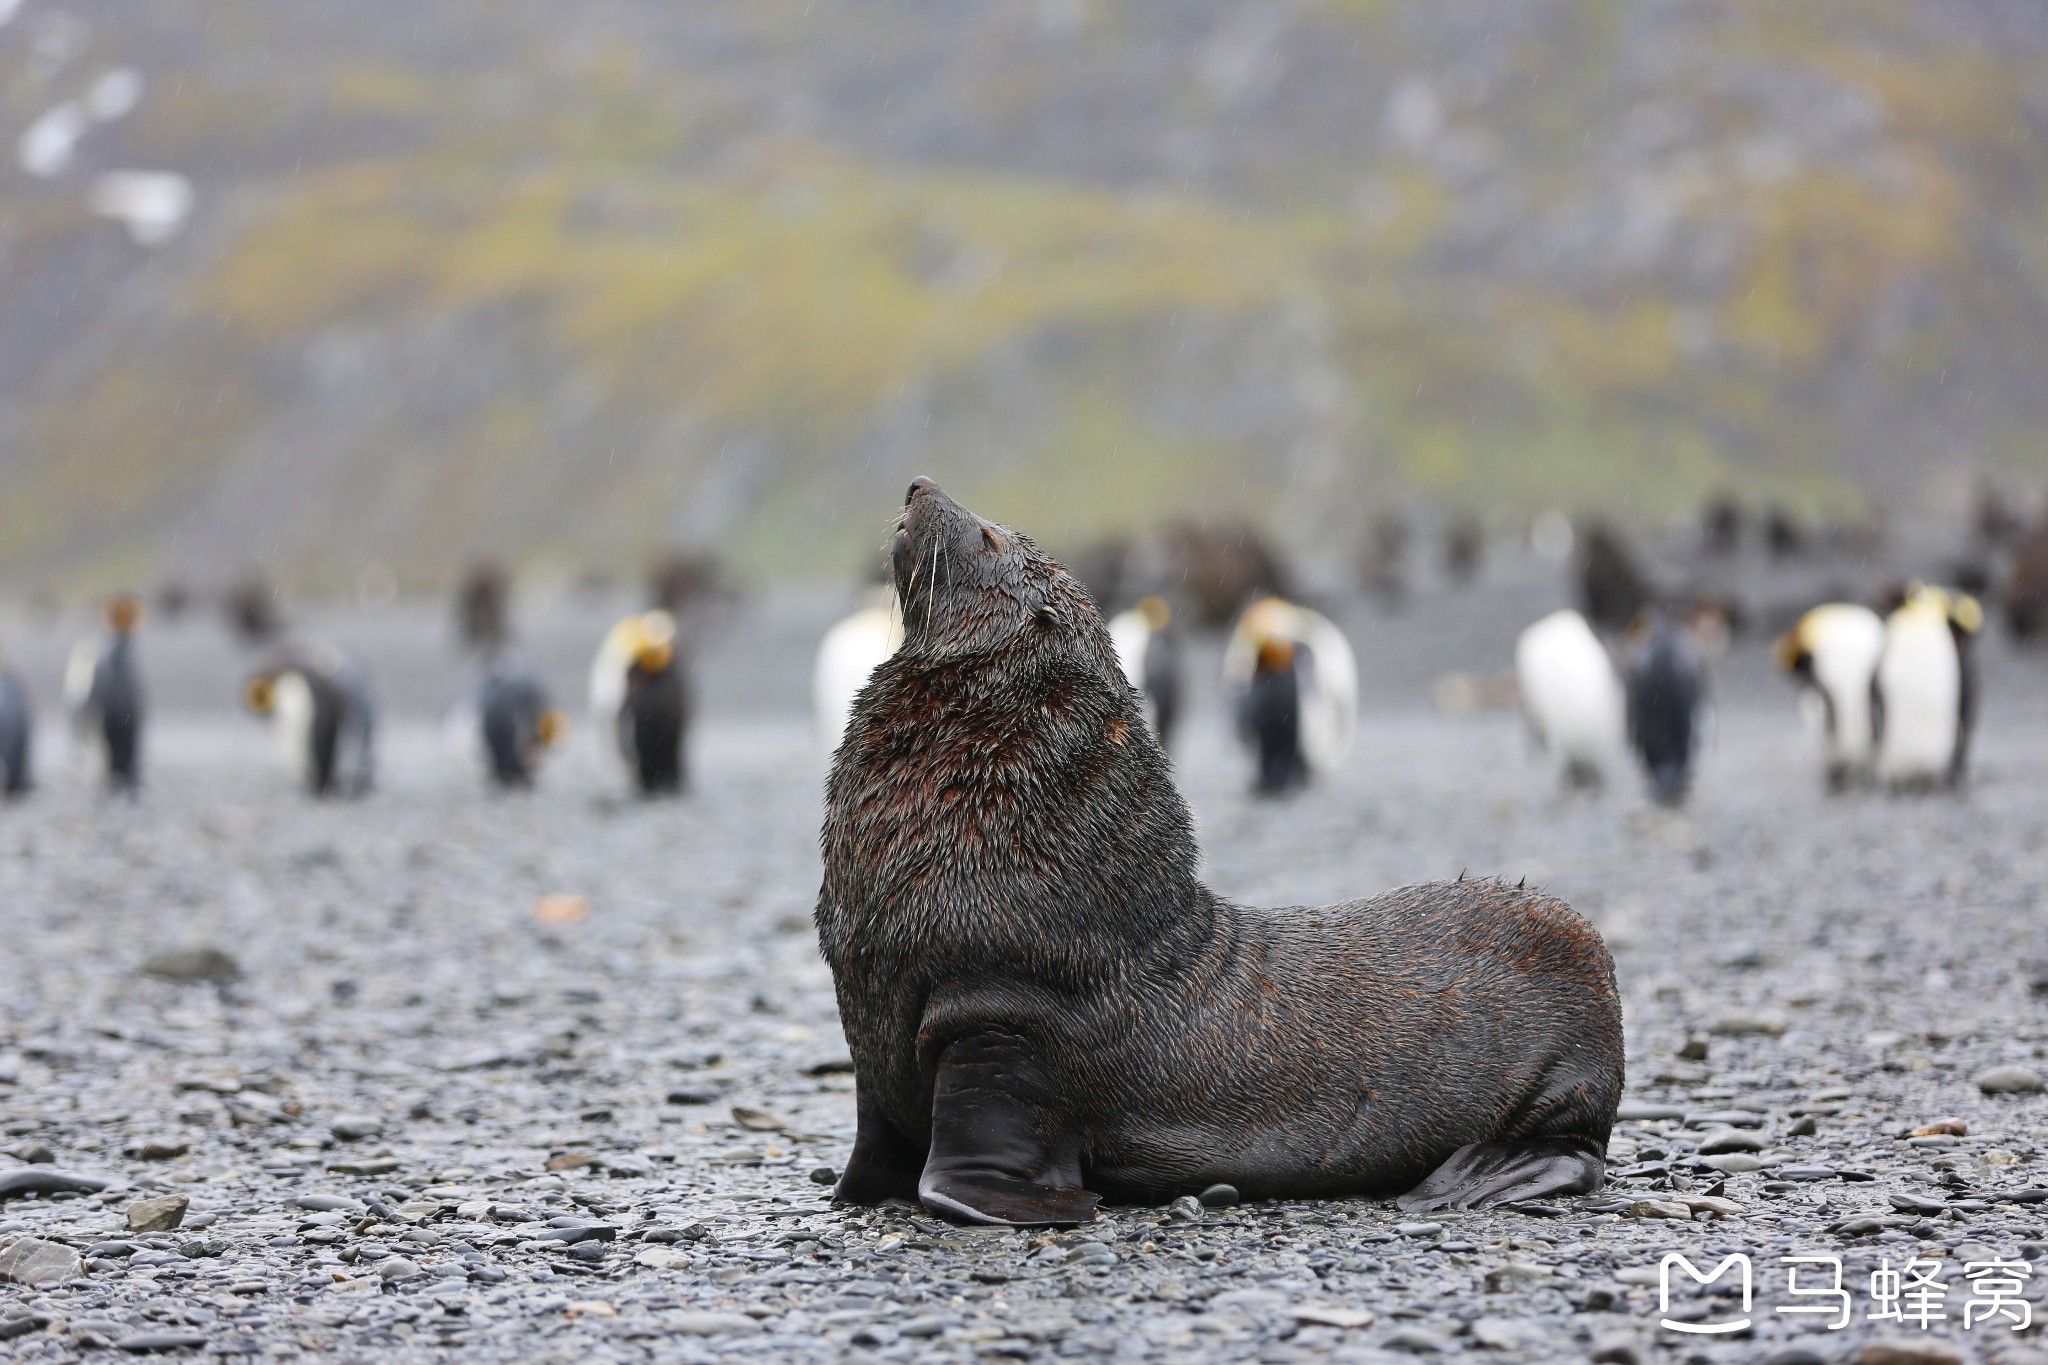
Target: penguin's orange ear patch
[(551, 727), (259, 694)]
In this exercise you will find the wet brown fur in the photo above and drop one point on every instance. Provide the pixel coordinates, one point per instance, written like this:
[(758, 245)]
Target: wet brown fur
[(1005, 853)]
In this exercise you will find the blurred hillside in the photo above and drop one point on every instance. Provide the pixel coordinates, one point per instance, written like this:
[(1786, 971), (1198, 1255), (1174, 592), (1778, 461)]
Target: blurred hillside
[(570, 282)]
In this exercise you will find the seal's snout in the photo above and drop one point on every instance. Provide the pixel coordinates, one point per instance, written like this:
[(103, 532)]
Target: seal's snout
[(919, 486)]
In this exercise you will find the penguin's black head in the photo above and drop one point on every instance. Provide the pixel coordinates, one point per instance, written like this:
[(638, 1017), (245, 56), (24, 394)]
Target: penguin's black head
[(967, 585)]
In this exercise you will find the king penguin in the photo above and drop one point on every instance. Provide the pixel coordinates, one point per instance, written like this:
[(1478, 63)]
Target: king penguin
[(1293, 681), (1149, 650), (849, 653), (1665, 681), (103, 685), (1833, 653), (639, 694), (1573, 697), (325, 718), (515, 721), (1926, 693), (17, 733)]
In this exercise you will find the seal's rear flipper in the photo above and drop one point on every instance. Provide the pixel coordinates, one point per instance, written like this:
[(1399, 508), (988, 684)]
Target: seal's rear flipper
[(993, 1111), (989, 1197), (1489, 1173), (883, 1166)]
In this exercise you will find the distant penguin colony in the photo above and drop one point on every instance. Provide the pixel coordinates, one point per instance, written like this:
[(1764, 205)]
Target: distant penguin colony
[(1293, 681), (1148, 648), (639, 694), (1888, 699), (1572, 697), (320, 707), (103, 686), (17, 733), (515, 722), (847, 657)]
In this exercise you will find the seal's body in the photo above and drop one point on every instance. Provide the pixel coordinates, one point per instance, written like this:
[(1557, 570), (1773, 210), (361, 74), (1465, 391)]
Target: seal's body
[(1045, 1006)]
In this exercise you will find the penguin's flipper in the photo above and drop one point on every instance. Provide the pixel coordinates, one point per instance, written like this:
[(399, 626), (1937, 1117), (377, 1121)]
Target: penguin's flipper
[(1485, 1174)]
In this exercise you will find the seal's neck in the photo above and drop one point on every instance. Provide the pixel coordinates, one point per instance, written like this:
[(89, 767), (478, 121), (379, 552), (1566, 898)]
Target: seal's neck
[(1016, 810)]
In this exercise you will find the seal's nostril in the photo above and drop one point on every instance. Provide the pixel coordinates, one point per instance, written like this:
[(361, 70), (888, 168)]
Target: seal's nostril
[(917, 485)]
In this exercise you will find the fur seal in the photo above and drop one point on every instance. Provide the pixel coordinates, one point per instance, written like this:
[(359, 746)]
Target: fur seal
[(1045, 1006), (103, 684)]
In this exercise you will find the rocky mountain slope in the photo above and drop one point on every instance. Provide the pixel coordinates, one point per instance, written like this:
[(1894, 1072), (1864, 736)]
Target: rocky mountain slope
[(468, 274)]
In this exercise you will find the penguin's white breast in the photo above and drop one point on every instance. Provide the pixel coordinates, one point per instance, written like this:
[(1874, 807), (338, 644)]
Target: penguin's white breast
[(291, 720), (1572, 690), (1920, 679)]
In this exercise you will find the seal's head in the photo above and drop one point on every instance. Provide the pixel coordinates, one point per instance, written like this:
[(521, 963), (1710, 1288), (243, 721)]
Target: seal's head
[(968, 586)]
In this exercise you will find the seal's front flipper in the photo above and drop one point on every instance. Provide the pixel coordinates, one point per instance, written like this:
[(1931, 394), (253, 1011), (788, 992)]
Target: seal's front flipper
[(884, 1165), (999, 1154), (1489, 1173)]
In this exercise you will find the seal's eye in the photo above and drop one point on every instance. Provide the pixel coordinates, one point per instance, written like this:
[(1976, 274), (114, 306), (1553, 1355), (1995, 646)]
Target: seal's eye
[(1045, 616)]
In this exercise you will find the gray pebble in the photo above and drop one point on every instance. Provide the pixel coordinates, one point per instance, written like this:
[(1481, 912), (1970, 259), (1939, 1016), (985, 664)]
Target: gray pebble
[(1219, 1197), (160, 1214), (47, 1180), (2010, 1080), (1732, 1140), (144, 1343), (36, 1263)]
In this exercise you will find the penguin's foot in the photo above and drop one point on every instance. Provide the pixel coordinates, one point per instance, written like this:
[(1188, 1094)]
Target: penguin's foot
[(1004, 1200), (1489, 1173)]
